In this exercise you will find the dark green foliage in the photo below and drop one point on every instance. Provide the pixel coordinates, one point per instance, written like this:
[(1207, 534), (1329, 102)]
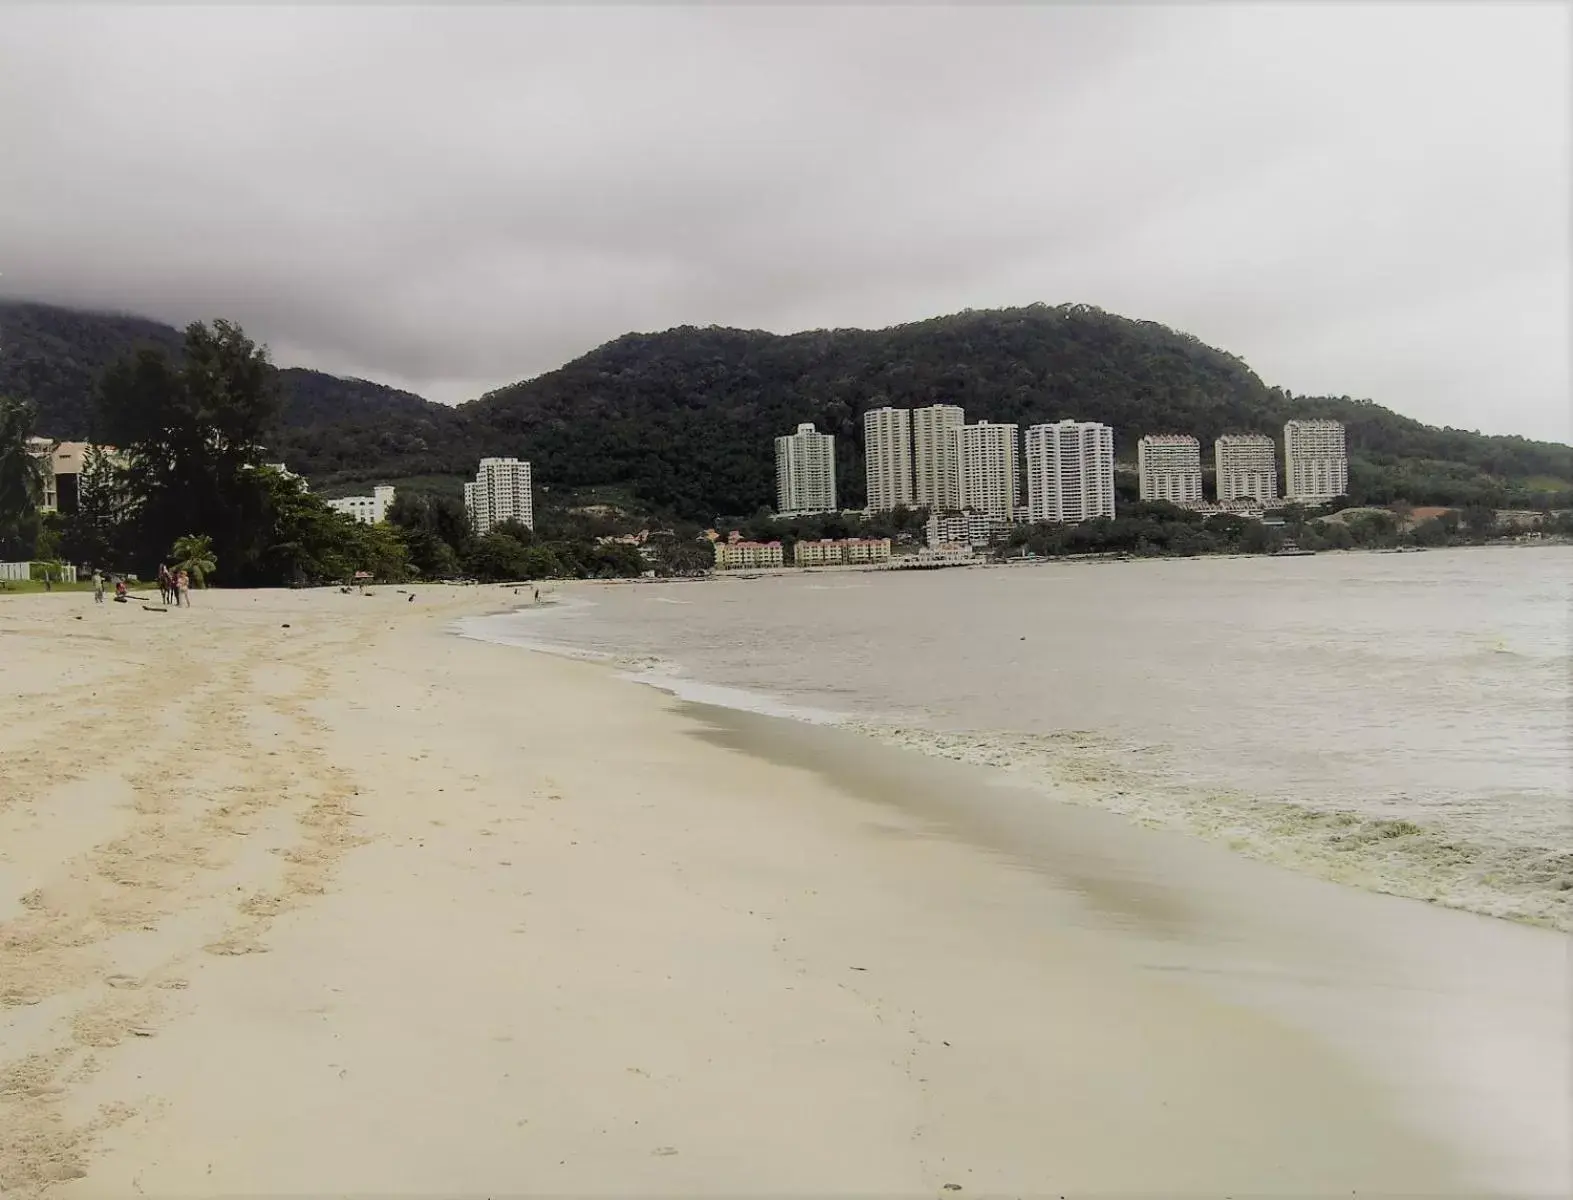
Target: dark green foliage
[(90, 534), (1160, 529), (306, 542), (21, 482), (436, 531), (685, 419), (441, 545), (192, 435), (56, 356)]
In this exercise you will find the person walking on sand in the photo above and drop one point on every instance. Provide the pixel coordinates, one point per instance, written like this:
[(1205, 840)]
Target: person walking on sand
[(98, 587), (182, 589)]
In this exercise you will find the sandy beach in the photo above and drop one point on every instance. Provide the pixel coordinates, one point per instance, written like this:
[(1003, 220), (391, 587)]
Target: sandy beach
[(302, 894)]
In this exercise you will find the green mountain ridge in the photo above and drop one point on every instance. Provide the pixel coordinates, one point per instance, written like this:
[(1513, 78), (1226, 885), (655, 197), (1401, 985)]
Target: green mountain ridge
[(686, 418)]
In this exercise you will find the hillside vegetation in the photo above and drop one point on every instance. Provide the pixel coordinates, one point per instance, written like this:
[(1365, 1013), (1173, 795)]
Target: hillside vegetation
[(685, 419)]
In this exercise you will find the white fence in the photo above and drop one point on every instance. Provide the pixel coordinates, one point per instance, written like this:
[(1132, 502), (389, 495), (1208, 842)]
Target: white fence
[(20, 572)]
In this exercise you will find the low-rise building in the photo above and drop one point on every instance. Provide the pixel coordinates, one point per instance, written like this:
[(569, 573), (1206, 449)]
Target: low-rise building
[(946, 554), (974, 529), (65, 463), (736, 554), (368, 510), (836, 552)]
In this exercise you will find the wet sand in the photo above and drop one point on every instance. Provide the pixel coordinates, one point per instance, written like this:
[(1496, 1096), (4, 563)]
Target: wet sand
[(359, 906)]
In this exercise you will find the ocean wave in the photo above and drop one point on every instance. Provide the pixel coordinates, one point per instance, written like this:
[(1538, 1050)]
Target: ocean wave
[(1402, 856)]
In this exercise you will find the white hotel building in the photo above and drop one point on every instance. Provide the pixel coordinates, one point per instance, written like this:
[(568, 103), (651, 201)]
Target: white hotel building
[(1316, 461), (1070, 471), (990, 468), (887, 451), (1247, 465), (368, 510), (502, 491), (936, 465), (805, 472), (1171, 468)]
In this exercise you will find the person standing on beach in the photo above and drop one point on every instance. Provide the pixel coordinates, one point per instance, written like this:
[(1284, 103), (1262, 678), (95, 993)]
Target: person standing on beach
[(182, 589), (98, 587)]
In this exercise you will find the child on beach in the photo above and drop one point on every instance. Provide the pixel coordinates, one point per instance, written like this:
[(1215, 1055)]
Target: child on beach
[(98, 587)]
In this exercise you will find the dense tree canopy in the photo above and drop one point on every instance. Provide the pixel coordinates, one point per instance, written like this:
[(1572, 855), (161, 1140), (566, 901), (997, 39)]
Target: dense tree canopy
[(21, 481)]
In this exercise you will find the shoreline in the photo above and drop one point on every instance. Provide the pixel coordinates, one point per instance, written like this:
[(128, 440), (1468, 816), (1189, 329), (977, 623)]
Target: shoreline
[(987, 561), (1406, 858), (427, 915)]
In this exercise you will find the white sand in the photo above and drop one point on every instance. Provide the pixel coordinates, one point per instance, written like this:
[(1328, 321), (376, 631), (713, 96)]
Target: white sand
[(357, 906)]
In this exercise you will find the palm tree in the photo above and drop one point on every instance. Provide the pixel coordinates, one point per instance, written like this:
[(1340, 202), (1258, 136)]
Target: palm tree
[(193, 554), (22, 470)]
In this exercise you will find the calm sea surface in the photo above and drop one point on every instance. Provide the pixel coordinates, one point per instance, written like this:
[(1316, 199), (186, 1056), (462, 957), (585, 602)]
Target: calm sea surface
[(1395, 721)]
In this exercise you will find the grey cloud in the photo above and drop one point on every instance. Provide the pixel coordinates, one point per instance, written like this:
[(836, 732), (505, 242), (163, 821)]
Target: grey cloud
[(1356, 199)]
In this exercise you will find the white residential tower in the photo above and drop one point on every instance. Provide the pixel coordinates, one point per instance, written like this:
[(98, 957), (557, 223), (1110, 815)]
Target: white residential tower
[(936, 469), (1316, 461), (501, 492), (1247, 465), (887, 451), (1070, 471), (990, 469), (805, 472), (1171, 467)]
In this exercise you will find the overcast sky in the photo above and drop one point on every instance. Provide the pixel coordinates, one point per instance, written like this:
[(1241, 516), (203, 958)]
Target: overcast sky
[(1356, 199)]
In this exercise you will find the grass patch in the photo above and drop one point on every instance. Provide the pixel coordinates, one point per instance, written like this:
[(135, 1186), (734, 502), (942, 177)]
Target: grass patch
[(19, 587)]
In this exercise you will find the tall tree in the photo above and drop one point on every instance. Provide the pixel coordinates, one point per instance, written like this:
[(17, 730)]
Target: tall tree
[(89, 534), (21, 480), (193, 436)]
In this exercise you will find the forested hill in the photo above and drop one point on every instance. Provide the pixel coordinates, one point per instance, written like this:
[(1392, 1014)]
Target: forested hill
[(686, 418), (54, 356), (689, 416)]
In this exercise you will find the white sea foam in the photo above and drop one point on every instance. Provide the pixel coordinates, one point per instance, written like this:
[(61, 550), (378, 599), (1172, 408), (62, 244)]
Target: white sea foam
[(1402, 856), (663, 677)]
